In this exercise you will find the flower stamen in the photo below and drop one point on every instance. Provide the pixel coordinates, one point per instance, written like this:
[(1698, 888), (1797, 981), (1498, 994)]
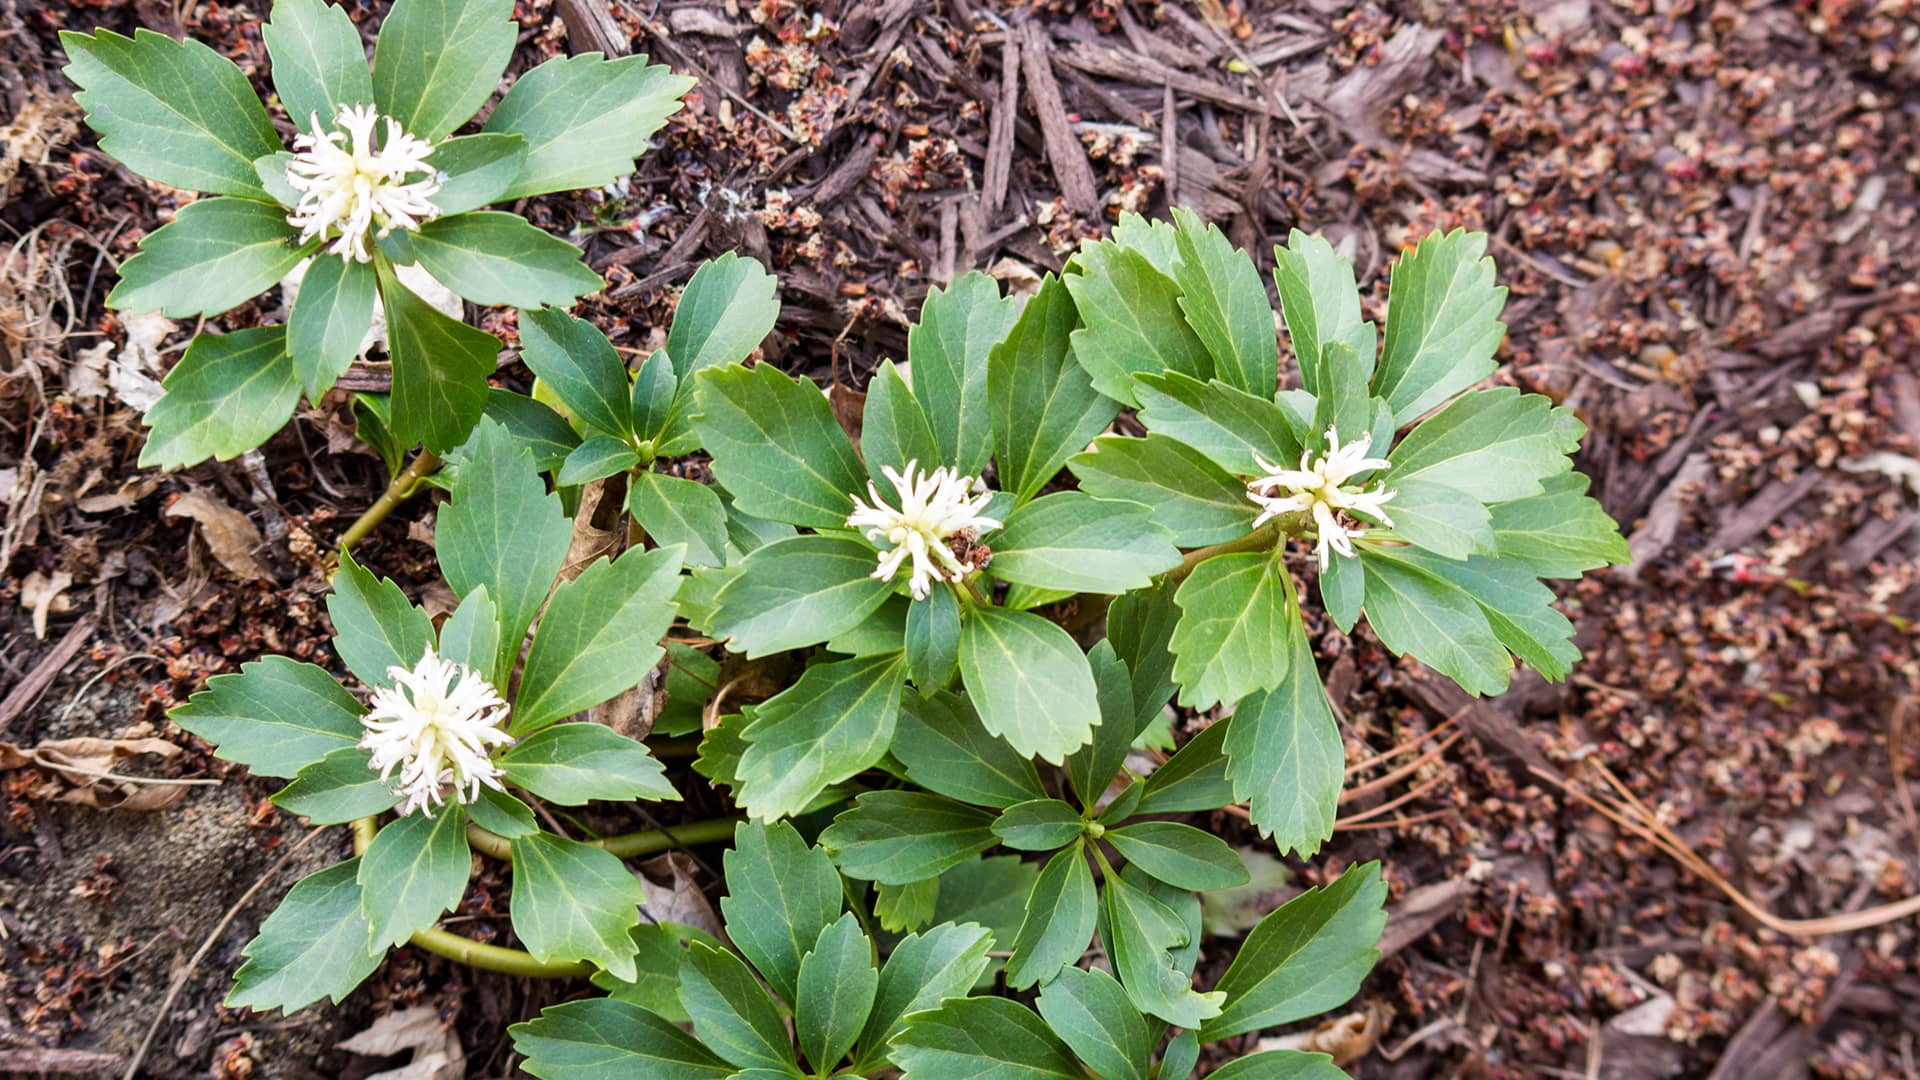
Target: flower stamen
[(935, 507), (437, 725), (349, 187), (1320, 488)]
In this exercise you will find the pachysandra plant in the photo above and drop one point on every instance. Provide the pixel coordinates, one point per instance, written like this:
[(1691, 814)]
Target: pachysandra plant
[(376, 183), (440, 744)]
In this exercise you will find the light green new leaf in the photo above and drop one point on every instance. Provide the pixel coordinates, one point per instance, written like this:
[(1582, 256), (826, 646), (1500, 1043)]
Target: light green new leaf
[(1306, 957), (1187, 494), (490, 257), (1227, 425), (1494, 445), (796, 592), (652, 400), (1060, 915), (1416, 614), (1279, 1065), (923, 971), (900, 908), (900, 837), (339, 788), (1517, 607), (329, 319), (319, 64), (440, 368), (780, 895), (574, 359), (600, 635), (1285, 756), (674, 510), (1226, 304), (894, 431), (1091, 1012), (176, 112), (438, 61), (837, 986), (657, 987), (732, 1015), (600, 1038), (1444, 520), (479, 168), (776, 446), (982, 1038), (1043, 406), (1142, 935), (227, 395), (571, 764), (572, 901), (1443, 323), (216, 253), (315, 944), (1180, 855), (958, 327), (276, 717), (1321, 304), (585, 119), (1180, 1056), (1232, 635), (1071, 540), (415, 869), (595, 459), (726, 310), (945, 749), (376, 627), (1342, 588), (1130, 320), (1561, 534), (1030, 682), (836, 721)]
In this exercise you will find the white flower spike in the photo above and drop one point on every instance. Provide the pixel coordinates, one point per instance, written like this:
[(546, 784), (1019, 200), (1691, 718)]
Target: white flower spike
[(1319, 488), (346, 184), (935, 507), (437, 724)]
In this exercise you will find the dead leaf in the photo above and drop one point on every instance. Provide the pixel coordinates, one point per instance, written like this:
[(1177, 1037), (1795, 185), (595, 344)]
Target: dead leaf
[(131, 376), (229, 534), (43, 595), (674, 893), (43, 123), (1347, 1038), (87, 375), (80, 771), (132, 491), (437, 1054), (597, 528)]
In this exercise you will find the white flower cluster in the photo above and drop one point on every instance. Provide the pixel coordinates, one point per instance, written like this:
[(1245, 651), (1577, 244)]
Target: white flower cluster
[(935, 507), (346, 184), (1320, 488), (437, 724)]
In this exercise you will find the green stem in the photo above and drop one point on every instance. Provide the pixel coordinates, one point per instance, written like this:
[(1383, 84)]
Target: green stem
[(1260, 539), (626, 845), (424, 464)]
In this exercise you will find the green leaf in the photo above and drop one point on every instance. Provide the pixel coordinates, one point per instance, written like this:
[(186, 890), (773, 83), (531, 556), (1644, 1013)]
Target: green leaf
[(1232, 635), (796, 592), (945, 749), (599, 1039), (989, 891), (923, 971), (585, 119), (1443, 323), (933, 640), (731, 1013), (495, 258), (982, 1039), (572, 901), (319, 64), (1445, 521), (276, 716), (726, 310), (1279, 1065), (1227, 425), (657, 986), (504, 531), (837, 987), (576, 360), (1285, 755), (1043, 406), (315, 944), (1071, 540), (502, 814), (571, 764), (1141, 627), (674, 510), (330, 317), (1187, 494), (1342, 587), (900, 908), (480, 169), (1130, 320), (438, 61), (652, 399), (534, 426), (595, 459), (880, 632), (376, 627), (1561, 534), (1038, 825), (1321, 304), (1180, 855), (958, 327), (440, 368), (415, 869), (1492, 445), (176, 112), (1092, 768), (1091, 1012), (370, 416), (338, 788), (1343, 404), (600, 635), (1141, 935), (1518, 608), (776, 446), (1180, 1056), (1154, 239), (780, 895), (1060, 915), (894, 431), (1194, 778), (1416, 614), (835, 722), (215, 254), (1030, 682), (1226, 304), (1306, 957)]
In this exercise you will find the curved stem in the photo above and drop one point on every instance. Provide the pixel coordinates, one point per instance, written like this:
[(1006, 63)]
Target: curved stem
[(402, 487), (626, 845), (1260, 539)]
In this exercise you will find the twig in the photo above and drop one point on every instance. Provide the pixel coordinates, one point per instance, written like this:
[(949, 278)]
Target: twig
[(424, 464)]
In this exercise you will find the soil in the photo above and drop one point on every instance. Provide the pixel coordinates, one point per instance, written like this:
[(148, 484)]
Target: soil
[(1706, 214)]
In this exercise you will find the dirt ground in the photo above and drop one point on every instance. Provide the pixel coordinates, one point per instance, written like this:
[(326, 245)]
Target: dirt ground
[(1706, 213)]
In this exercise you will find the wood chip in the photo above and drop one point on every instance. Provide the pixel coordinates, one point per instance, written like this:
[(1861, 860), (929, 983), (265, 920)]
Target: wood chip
[(1064, 152)]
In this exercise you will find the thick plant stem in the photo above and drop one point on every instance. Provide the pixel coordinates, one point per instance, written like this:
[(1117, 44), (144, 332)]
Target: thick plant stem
[(1260, 539), (626, 845), (424, 464)]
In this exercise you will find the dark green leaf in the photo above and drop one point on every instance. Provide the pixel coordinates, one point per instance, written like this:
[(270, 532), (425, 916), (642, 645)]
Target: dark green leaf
[(656, 988), (600, 635), (1322, 306), (1518, 608), (894, 431), (923, 971), (490, 258), (1443, 323), (1285, 756), (1060, 915), (329, 319), (1043, 406), (1179, 1058), (1180, 855), (1141, 626), (578, 363), (480, 169), (958, 326), (1038, 825), (1232, 635), (900, 908), (1279, 1065), (1130, 320), (502, 814), (438, 61), (533, 425), (1306, 957), (1229, 426), (780, 895), (933, 640), (415, 869), (595, 459), (837, 986), (982, 1039), (674, 510), (315, 944), (1030, 682), (585, 119), (731, 1013), (1343, 404), (338, 788), (1091, 1012), (599, 1039), (1342, 587), (1492, 445), (1194, 779), (1417, 614), (440, 369), (1187, 494), (776, 446), (989, 891), (1227, 306), (276, 717), (319, 64), (1142, 934), (1071, 540), (376, 628), (572, 901), (1445, 521), (726, 310), (571, 764), (836, 721), (945, 749), (215, 254), (652, 399), (1560, 534), (1092, 768), (797, 592)]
